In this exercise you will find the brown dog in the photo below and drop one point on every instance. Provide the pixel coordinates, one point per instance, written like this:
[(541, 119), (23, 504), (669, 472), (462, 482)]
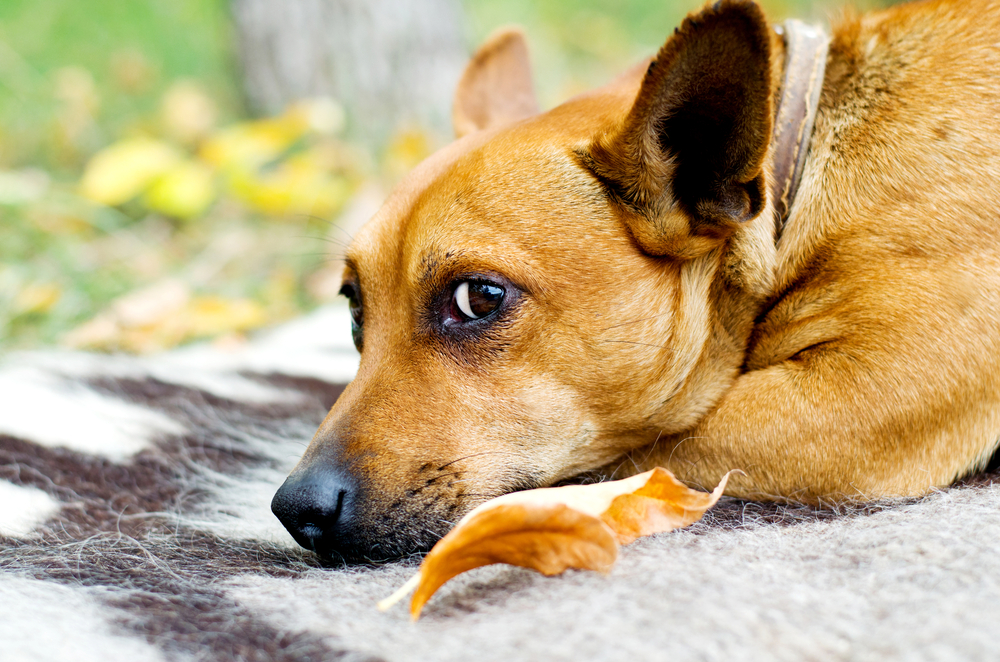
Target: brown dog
[(605, 286)]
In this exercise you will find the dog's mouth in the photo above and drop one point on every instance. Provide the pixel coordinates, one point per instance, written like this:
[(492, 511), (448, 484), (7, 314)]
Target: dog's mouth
[(348, 523)]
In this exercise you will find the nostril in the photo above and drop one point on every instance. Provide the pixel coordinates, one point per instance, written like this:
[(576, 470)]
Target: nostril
[(339, 508), (311, 531), (315, 509), (314, 523)]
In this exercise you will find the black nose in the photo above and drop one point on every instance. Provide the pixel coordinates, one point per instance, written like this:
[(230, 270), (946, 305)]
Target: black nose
[(317, 507)]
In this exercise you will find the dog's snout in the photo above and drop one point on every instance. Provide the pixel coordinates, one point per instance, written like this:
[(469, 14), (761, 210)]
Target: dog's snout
[(317, 508)]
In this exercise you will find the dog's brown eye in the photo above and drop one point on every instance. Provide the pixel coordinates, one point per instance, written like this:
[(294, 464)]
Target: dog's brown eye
[(357, 313), (476, 299)]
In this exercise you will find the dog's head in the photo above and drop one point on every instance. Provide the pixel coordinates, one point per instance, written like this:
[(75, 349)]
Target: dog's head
[(550, 291)]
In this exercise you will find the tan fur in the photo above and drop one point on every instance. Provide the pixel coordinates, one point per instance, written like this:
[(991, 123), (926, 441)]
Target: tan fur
[(858, 358)]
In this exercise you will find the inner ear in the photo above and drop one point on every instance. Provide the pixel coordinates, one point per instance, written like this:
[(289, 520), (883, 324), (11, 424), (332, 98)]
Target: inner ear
[(496, 87), (697, 135)]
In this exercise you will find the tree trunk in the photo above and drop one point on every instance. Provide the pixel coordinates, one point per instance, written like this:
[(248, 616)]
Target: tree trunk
[(391, 63)]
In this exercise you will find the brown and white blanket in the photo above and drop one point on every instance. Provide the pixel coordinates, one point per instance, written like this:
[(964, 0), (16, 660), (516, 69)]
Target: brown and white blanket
[(135, 525)]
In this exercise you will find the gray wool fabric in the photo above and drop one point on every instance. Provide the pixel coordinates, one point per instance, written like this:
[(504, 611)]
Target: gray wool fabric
[(916, 581), (134, 525)]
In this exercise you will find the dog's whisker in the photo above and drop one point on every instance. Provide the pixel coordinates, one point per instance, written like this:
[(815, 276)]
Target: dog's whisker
[(466, 457), (652, 448), (613, 473), (645, 344), (329, 222), (328, 240), (317, 254), (635, 321), (677, 445)]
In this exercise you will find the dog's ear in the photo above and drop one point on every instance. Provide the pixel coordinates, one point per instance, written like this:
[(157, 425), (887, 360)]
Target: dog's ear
[(687, 161), (496, 87)]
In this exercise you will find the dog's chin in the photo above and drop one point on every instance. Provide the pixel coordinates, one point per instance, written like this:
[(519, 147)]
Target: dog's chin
[(376, 551), (377, 539)]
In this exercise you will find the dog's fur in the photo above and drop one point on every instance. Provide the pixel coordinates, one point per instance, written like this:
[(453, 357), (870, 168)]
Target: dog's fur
[(652, 317)]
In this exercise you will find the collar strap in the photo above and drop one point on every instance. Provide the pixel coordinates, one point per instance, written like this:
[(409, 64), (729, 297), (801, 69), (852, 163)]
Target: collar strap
[(805, 61)]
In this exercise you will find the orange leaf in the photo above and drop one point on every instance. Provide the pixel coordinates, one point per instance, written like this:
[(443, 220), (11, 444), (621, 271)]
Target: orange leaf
[(552, 529), (548, 538), (662, 504)]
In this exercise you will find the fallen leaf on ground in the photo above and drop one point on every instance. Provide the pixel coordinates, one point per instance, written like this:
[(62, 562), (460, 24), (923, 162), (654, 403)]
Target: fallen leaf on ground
[(552, 529), (298, 185), (163, 316), (250, 145), (36, 298), (185, 191), (188, 112), (122, 171)]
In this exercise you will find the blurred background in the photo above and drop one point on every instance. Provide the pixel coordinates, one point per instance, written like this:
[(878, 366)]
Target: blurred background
[(173, 170)]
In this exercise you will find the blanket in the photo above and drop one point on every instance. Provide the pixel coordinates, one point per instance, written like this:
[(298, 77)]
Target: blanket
[(135, 525)]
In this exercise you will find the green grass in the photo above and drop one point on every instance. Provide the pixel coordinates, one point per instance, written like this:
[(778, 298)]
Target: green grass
[(132, 49)]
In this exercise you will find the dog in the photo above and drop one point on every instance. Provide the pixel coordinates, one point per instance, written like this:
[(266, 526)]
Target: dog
[(677, 270)]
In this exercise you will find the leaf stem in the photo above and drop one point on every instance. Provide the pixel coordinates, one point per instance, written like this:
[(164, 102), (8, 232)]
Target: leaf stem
[(404, 590)]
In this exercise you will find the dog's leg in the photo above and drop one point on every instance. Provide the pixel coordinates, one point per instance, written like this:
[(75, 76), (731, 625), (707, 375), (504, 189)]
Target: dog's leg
[(838, 422)]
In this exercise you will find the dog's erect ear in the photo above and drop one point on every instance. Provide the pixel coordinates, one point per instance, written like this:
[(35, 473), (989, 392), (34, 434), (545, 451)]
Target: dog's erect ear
[(687, 159), (496, 87)]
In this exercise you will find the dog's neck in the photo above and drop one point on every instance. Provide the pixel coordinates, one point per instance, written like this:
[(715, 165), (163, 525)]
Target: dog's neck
[(805, 62)]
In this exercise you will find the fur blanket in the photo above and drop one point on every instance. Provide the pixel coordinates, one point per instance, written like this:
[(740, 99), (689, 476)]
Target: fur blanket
[(134, 526)]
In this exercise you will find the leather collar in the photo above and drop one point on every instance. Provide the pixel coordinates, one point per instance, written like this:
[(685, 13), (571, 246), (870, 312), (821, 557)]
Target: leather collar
[(805, 62)]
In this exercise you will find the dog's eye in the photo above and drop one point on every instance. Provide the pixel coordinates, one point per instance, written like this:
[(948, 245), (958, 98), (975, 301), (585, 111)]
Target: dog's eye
[(357, 313), (477, 299)]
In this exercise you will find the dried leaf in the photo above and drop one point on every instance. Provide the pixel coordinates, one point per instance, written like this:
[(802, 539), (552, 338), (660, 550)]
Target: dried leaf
[(132, 71), (323, 115), (185, 191), (152, 304), (406, 150), (662, 504), (552, 529), (211, 315), (36, 298), (249, 145), (188, 112), (124, 170), (162, 316), (548, 538), (298, 185)]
